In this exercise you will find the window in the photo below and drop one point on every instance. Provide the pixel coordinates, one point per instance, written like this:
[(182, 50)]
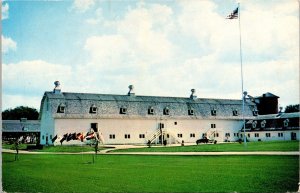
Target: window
[(280, 134), (235, 113), (248, 134), (191, 112), (166, 111), (268, 134), (213, 112), (175, 123), (123, 110), (216, 134), (50, 136), (263, 123), (94, 126), (43, 137), (255, 112), (254, 124), (161, 125), (227, 134), (213, 125), (61, 108), (93, 109), (150, 111), (179, 135), (142, 135), (127, 136), (286, 122), (256, 134), (192, 135), (112, 136)]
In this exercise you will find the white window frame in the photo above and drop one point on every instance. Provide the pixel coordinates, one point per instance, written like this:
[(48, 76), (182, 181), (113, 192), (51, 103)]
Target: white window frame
[(235, 112), (123, 110), (213, 112), (150, 111), (166, 111), (191, 112)]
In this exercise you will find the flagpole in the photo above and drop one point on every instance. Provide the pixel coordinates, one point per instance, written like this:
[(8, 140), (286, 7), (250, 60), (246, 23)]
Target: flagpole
[(244, 94)]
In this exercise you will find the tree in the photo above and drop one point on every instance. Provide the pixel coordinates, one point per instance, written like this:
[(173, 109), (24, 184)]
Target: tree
[(292, 108), (20, 112)]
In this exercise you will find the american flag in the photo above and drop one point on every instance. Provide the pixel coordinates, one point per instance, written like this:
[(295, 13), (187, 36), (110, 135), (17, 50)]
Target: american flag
[(234, 14)]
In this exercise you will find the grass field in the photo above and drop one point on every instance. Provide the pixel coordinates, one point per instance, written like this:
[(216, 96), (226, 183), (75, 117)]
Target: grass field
[(124, 173), (224, 147)]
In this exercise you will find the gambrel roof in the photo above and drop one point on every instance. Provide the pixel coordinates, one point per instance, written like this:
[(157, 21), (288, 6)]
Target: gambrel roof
[(77, 105)]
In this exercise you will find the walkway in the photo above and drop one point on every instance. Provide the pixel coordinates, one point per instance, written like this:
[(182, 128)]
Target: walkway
[(107, 152)]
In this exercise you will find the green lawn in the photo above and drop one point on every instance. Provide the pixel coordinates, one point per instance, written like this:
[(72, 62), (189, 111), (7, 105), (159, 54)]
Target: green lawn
[(224, 147), (64, 148), (132, 173)]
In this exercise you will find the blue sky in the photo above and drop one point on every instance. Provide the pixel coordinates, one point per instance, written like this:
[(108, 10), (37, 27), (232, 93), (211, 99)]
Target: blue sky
[(163, 48)]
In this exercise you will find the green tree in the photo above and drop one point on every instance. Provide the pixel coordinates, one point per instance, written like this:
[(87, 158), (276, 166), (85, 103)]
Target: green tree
[(20, 112), (291, 108)]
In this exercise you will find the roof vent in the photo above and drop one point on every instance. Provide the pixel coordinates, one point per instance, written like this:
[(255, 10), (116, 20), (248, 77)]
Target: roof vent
[(131, 92), (56, 89), (280, 112), (193, 96)]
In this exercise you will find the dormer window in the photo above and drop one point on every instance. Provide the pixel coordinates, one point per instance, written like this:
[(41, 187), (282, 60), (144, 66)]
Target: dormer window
[(235, 112), (213, 112), (286, 122), (255, 112), (123, 110), (150, 111), (93, 109), (61, 108), (166, 111), (191, 112), (254, 124), (263, 124)]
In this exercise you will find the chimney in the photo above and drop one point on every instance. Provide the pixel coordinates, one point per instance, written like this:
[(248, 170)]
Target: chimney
[(57, 89), (193, 96), (131, 92)]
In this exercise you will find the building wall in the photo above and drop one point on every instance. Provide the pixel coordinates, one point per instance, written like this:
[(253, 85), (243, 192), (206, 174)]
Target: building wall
[(47, 123), (272, 135), (189, 130)]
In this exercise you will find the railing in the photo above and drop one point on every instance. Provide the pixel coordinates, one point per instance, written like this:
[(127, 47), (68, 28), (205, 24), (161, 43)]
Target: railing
[(154, 135), (159, 132)]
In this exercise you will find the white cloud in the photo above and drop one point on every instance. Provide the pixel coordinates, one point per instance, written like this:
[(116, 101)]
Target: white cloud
[(141, 37), (83, 5), (143, 42), (5, 9), (33, 77), (12, 101), (107, 50), (8, 44)]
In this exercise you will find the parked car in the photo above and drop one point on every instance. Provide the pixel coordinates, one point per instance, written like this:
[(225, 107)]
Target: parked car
[(203, 140)]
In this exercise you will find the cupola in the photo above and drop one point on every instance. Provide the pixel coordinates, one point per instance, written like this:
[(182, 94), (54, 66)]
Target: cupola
[(57, 89)]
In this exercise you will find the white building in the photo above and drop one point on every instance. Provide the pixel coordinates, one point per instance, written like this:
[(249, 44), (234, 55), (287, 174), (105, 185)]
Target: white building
[(280, 126), (132, 119)]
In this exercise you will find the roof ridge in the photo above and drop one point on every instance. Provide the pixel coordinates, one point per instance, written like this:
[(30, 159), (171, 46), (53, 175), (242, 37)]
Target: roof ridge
[(151, 96)]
